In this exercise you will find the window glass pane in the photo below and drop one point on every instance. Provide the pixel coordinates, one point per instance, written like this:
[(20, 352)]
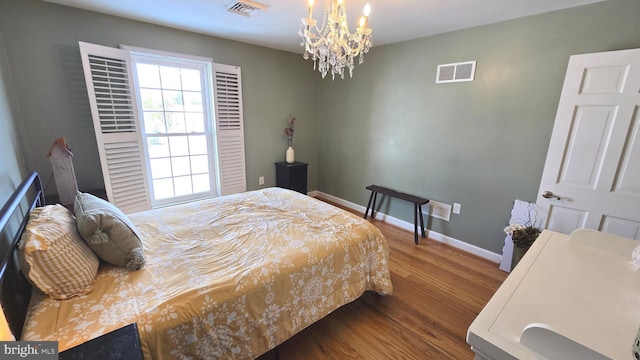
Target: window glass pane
[(192, 101), (163, 188), (154, 122), (183, 185), (170, 77), (175, 122), (200, 164), (151, 99), (195, 122), (179, 145), (191, 79), (158, 146), (160, 168), (173, 100), (148, 75), (197, 144), (201, 183), (180, 165)]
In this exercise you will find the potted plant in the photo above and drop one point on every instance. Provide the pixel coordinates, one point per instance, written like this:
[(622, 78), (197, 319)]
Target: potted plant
[(523, 237)]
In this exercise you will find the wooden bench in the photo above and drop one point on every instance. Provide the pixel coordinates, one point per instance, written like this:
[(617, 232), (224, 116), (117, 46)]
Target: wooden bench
[(416, 200)]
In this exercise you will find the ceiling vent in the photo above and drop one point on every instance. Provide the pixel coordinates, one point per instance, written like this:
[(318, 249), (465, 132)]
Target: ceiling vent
[(245, 7), (456, 72)]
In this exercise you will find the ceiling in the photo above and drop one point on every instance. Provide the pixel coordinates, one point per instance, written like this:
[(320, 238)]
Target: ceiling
[(277, 27)]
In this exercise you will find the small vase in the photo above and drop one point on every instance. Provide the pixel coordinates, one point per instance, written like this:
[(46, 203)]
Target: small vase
[(518, 253), (291, 156)]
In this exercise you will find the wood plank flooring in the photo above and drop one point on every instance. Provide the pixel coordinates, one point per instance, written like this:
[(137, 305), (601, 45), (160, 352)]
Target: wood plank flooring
[(438, 291)]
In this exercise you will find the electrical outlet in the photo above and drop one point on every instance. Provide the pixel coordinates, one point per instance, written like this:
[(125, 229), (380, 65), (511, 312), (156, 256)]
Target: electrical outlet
[(261, 180), (439, 210), (456, 208)]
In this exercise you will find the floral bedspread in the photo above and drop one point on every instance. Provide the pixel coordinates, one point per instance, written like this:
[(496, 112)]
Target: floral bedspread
[(226, 278)]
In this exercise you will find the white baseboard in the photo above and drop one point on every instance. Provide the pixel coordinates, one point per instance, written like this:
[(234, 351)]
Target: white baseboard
[(483, 253)]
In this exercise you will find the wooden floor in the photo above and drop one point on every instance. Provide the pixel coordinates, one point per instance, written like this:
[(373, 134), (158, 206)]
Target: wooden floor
[(438, 291)]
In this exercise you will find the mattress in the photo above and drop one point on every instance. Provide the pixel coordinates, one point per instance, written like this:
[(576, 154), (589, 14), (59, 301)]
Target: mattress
[(229, 277)]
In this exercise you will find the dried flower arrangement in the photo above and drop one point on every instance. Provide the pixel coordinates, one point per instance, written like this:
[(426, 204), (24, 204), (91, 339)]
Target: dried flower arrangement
[(288, 131), (523, 236)]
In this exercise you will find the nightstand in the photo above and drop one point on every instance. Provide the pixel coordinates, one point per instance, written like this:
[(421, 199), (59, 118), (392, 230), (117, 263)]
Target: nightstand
[(123, 343), (292, 176)]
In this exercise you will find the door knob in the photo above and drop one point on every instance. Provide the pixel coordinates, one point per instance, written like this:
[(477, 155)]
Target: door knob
[(550, 195)]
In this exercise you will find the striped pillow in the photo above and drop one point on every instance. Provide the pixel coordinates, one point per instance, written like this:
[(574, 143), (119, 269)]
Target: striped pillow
[(58, 261)]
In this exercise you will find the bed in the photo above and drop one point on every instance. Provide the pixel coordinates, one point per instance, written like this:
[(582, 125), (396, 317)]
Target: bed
[(229, 277)]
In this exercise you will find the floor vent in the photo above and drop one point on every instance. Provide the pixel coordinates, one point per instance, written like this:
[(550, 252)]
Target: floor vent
[(456, 72), (245, 7)]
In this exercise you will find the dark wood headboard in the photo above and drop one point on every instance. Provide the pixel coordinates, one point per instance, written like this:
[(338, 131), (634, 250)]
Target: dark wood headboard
[(15, 290)]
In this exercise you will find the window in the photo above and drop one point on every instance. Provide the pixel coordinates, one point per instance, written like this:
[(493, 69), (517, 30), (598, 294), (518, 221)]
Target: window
[(168, 126), (175, 109)]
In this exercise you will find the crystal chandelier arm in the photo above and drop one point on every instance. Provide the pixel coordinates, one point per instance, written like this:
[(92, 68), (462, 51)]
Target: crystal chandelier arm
[(309, 24), (310, 9)]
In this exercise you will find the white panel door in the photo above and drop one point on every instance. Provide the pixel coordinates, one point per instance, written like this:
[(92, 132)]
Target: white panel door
[(591, 177)]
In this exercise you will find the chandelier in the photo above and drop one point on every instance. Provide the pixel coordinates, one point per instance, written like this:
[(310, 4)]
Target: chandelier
[(331, 46)]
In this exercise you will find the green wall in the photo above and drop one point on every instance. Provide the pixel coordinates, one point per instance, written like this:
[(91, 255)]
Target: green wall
[(43, 55), (11, 162), (481, 144)]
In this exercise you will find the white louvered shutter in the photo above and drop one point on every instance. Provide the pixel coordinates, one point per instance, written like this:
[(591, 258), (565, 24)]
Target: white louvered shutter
[(227, 87), (108, 78)]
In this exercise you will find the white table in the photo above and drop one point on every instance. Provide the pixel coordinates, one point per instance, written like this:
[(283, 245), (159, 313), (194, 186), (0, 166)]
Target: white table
[(577, 297)]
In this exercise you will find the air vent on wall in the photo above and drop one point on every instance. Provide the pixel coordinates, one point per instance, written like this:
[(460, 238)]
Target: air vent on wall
[(456, 72), (245, 7)]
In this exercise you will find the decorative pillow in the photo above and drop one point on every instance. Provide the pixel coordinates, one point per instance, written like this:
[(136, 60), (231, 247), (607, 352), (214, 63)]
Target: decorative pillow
[(109, 232), (56, 259)]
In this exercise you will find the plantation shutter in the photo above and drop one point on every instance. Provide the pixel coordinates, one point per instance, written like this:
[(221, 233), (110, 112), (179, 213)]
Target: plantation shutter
[(109, 82), (227, 88)]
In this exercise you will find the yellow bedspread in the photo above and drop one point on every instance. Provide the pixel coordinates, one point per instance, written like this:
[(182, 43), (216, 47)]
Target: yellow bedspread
[(226, 278)]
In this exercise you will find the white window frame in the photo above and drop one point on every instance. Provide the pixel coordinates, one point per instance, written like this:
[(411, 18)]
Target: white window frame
[(117, 126), (149, 56)]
